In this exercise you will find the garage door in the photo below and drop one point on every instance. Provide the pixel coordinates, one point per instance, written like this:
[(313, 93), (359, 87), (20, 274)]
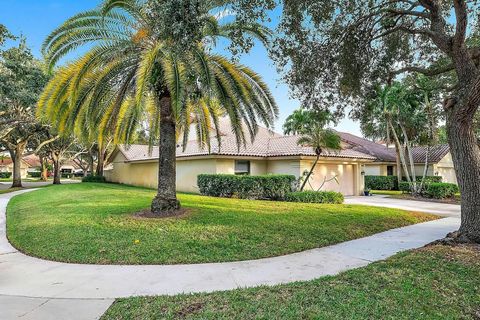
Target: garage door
[(344, 174)]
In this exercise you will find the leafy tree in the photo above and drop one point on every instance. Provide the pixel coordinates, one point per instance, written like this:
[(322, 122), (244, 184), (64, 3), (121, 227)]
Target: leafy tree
[(151, 60), (334, 51), (60, 149), (21, 82)]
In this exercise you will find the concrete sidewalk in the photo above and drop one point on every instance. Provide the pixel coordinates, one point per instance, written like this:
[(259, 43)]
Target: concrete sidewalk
[(35, 287)]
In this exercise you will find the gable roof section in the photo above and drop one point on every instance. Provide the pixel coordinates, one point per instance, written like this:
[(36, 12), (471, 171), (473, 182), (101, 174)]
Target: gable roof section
[(380, 152), (436, 153)]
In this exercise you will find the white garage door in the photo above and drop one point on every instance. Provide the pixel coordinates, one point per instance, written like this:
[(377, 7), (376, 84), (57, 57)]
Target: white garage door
[(344, 174)]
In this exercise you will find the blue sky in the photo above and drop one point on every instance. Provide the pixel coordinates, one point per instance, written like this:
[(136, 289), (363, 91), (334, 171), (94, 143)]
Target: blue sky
[(35, 19)]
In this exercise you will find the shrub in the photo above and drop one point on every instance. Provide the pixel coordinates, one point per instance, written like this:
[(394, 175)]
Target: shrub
[(404, 187), (91, 178), (440, 190), (381, 182), (246, 187), (428, 179), (35, 174), (5, 175), (315, 197), (66, 175)]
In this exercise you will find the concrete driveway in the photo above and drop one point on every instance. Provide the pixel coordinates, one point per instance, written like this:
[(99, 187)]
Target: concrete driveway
[(440, 209)]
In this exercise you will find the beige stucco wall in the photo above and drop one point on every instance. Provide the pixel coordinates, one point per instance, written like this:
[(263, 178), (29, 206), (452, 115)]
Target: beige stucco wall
[(373, 169), (445, 169), (145, 174), (350, 181), (9, 168)]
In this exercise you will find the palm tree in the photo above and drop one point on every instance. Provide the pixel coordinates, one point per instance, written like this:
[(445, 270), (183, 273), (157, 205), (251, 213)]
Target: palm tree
[(319, 139), (302, 119), (134, 72)]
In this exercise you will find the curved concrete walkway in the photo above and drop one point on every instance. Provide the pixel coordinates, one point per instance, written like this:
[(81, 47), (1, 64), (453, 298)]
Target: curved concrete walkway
[(38, 289)]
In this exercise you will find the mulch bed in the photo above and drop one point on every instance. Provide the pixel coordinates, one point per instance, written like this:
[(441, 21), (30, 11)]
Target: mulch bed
[(410, 197)]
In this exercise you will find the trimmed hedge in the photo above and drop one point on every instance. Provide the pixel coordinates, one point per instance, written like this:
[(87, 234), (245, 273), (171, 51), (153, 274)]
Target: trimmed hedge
[(404, 187), (273, 187), (441, 190), (35, 174), (381, 182), (91, 178), (5, 175), (391, 182), (315, 197)]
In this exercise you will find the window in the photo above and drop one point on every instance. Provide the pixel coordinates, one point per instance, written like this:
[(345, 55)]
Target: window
[(389, 170), (242, 167)]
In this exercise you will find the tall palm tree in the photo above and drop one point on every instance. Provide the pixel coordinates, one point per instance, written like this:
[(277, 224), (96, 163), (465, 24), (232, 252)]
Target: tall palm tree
[(133, 72), (319, 139)]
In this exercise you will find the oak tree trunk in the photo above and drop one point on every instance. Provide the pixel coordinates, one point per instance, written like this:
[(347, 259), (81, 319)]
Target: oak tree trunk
[(166, 200), (466, 159), (16, 155), (56, 170), (43, 169)]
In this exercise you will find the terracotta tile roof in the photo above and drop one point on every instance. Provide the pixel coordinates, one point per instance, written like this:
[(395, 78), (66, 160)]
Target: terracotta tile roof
[(270, 144), (380, 152), (32, 160), (266, 144), (436, 153)]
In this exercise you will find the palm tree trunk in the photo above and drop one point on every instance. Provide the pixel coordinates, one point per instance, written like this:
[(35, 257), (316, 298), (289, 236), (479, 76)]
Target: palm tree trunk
[(166, 200), (398, 164), (309, 173), (101, 160), (402, 154)]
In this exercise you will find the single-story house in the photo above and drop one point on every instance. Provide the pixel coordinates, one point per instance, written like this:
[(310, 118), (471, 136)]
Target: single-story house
[(268, 153), (6, 165)]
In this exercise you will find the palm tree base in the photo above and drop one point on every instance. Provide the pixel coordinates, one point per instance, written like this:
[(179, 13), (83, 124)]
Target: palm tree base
[(164, 206)]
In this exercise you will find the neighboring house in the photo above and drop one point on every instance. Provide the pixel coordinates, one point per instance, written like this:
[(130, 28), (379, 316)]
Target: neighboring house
[(6, 165), (439, 161), (269, 153), (33, 162)]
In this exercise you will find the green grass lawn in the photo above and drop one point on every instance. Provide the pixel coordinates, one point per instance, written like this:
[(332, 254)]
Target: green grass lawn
[(430, 283), (93, 223)]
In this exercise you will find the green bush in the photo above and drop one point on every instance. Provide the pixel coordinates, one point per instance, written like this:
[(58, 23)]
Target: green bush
[(428, 179), (5, 175), (404, 187), (35, 174), (391, 182), (381, 182), (315, 197), (91, 178), (440, 190), (246, 187), (66, 175)]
